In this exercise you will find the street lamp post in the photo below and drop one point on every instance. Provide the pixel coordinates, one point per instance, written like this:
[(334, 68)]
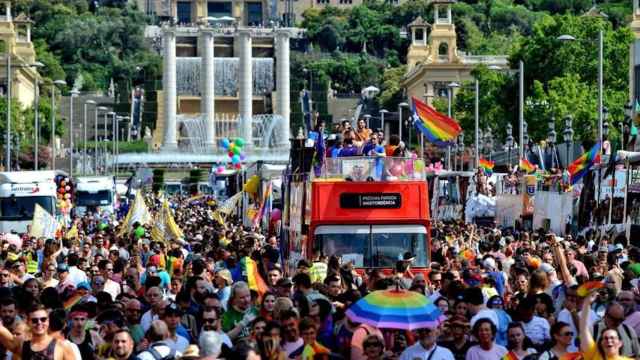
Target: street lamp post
[(488, 143), (367, 118), (400, 106), (552, 140), (56, 83), (84, 129), (568, 138), (477, 123), (461, 150), (568, 38), (95, 136), (382, 113), (509, 142), (113, 141), (36, 106), (450, 88), (72, 94)]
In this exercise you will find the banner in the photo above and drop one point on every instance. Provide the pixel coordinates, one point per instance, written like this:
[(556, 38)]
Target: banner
[(508, 209), (552, 211), (617, 183), (529, 193), (43, 224), (165, 227), (137, 213), (229, 205)]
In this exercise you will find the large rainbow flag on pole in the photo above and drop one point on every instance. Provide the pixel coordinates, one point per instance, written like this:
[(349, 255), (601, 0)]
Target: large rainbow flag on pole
[(436, 127), (581, 165), (486, 165)]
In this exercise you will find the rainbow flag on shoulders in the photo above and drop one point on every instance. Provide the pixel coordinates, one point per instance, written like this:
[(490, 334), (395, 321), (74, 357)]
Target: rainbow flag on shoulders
[(436, 127), (254, 280), (526, 166), (486, 165), (311, 350), (510, 356), (580, 167)]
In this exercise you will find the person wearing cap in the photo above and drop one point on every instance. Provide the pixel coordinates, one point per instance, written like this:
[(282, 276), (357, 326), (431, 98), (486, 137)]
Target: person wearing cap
[(426, 348), (172, 317), (460, 342), (284, 287), (475, 301), (65, 284)]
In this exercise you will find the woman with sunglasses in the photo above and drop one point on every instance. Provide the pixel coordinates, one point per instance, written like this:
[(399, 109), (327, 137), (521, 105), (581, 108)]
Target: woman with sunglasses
[(562, 337)]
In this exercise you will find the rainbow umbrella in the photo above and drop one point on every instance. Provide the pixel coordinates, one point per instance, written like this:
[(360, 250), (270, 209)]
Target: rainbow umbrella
[(396, 309)]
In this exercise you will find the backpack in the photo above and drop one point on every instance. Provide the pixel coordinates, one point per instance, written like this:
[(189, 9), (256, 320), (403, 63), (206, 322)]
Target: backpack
[(157, 356)]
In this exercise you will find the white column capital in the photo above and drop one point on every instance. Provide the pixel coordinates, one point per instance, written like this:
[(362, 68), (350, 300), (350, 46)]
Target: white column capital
[(207, 32), (244, 33), (168, 31), (284, 32)]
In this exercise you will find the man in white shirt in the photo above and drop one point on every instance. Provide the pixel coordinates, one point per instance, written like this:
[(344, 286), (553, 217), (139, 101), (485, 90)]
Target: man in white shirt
[(76, 276), (536, 327), (154, 298), (426, 348), (172, 315), (570, 314)]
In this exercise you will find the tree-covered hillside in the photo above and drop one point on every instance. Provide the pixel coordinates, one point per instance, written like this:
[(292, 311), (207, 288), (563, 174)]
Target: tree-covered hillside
[(560, 76)]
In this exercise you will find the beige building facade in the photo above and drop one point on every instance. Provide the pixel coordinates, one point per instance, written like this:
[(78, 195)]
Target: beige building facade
[(15, 41), (434, 60)]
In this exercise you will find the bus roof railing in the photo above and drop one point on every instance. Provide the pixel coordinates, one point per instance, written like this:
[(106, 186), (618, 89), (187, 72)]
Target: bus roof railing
[(363, 168)]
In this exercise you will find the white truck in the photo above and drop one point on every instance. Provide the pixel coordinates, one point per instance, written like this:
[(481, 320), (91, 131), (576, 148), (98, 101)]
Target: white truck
[(95, 195), (20, 191)]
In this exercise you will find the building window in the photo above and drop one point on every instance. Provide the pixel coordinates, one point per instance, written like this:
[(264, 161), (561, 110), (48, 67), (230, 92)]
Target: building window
[(443, 49), (344, 2), (419, 34), (254, 14), (219, 9), (184, 12)]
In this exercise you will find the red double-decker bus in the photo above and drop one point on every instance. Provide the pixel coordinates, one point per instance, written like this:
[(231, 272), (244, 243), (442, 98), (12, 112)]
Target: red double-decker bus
[(371, 211)]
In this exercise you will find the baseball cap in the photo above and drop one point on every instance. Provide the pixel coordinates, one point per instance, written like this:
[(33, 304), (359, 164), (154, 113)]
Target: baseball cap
[(284, 282), (84, 285), (547, 268)]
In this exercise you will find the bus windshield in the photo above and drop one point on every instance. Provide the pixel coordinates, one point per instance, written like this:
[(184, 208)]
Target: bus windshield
[(374, 245), (21, 208), (173, 189), (100, 198)]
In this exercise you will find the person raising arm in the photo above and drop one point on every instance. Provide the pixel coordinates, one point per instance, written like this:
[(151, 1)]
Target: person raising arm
[(607, 347), (42, 345)]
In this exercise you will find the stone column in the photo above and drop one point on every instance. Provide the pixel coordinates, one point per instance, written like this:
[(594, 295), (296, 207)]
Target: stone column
[(208, 96), (245, 87), (169, 90), (283, 100)]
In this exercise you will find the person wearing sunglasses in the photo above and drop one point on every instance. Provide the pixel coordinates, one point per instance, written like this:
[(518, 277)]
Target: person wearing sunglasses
[(562, 337), (42, 345)]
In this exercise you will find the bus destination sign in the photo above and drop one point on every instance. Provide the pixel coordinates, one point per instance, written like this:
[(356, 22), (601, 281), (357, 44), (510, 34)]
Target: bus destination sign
[(370, 200)]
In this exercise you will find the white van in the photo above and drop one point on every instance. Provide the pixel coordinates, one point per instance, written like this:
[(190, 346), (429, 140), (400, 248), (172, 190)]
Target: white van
[(20, 191), (95, 194)]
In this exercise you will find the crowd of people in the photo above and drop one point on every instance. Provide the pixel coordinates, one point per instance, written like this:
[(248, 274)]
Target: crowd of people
[(104, 293)]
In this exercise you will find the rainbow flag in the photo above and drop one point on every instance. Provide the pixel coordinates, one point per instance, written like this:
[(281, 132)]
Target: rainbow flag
[(436, 127), (581, 165), (510, 356), (266, 197), (486, 165), (526, 166), (71, 301), (311, 350), (588, 287), (254, 280)]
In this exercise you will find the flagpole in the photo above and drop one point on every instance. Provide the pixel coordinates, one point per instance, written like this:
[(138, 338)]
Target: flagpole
[(626, 191)]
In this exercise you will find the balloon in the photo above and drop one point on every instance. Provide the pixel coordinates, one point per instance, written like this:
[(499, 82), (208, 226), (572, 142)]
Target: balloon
[(236, 150), (139, 232), (225, 143), (235, 159), (396, 170), (243, 156), (238, 166), (379, 149), (67, 188), (67, 196), (61, 191), (232, 147), (239, 142), (409, 166), (418, 165), (102, 226), (414, 156), (230, 153), (276, 214), (251, 186), (69, 202), (220, 169)]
